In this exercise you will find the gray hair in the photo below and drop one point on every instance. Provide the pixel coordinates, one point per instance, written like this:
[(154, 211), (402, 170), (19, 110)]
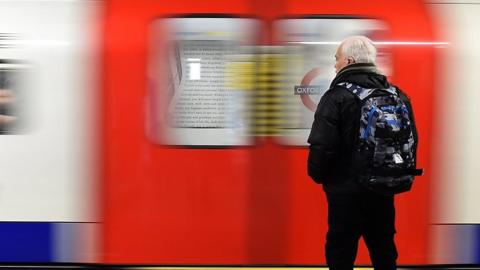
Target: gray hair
[(360, 48)]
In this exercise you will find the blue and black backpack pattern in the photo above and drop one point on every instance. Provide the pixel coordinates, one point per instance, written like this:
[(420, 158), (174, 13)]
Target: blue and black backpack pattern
[(385, 152)]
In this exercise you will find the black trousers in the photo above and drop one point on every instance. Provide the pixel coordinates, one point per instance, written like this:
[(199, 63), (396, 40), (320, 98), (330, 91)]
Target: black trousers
[(367, 215)]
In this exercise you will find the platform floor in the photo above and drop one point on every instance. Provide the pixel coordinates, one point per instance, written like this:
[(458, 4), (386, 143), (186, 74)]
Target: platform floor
[(131, 267)]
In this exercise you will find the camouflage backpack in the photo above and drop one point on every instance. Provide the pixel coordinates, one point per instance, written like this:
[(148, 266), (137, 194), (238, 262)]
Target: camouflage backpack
[(385, 152)]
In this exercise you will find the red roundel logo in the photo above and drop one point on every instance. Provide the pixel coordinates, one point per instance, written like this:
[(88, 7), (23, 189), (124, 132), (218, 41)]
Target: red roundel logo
[(307, 79)]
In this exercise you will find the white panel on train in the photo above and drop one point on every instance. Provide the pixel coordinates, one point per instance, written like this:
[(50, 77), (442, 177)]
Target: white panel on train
[(456, 179), (47, 107)]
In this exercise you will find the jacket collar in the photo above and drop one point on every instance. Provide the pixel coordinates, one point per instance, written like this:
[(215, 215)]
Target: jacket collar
[(365, 67), (356, 68)]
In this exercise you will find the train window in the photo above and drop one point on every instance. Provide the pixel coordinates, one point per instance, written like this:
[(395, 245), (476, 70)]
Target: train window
[(12, 101), (200, 76), (309, 47)]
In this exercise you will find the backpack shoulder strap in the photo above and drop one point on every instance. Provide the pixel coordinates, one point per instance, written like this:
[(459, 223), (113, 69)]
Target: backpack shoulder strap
[(363, 93)]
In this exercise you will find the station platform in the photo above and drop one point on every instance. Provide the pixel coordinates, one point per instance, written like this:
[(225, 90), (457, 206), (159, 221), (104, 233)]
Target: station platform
[(152, 267)]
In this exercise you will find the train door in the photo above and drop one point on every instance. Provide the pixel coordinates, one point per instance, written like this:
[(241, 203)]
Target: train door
[(313, 30), (176, 159)]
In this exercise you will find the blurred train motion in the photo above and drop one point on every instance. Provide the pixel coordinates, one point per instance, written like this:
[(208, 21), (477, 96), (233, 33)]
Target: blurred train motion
[(165, 133)]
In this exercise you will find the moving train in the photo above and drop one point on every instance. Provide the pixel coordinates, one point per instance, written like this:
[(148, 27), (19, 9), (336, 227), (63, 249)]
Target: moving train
[(169, 133)]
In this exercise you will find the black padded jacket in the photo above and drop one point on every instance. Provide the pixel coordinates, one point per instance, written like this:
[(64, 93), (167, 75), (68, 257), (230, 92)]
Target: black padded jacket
[(335, 129)]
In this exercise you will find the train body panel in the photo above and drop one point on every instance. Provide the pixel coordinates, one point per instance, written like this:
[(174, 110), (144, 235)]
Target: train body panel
[(49, 66)]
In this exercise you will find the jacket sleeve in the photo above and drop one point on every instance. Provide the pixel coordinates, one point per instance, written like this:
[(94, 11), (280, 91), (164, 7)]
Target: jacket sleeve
[(324, 139)]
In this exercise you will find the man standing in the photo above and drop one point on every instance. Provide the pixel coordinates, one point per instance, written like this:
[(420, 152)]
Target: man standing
[(354, 211)]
